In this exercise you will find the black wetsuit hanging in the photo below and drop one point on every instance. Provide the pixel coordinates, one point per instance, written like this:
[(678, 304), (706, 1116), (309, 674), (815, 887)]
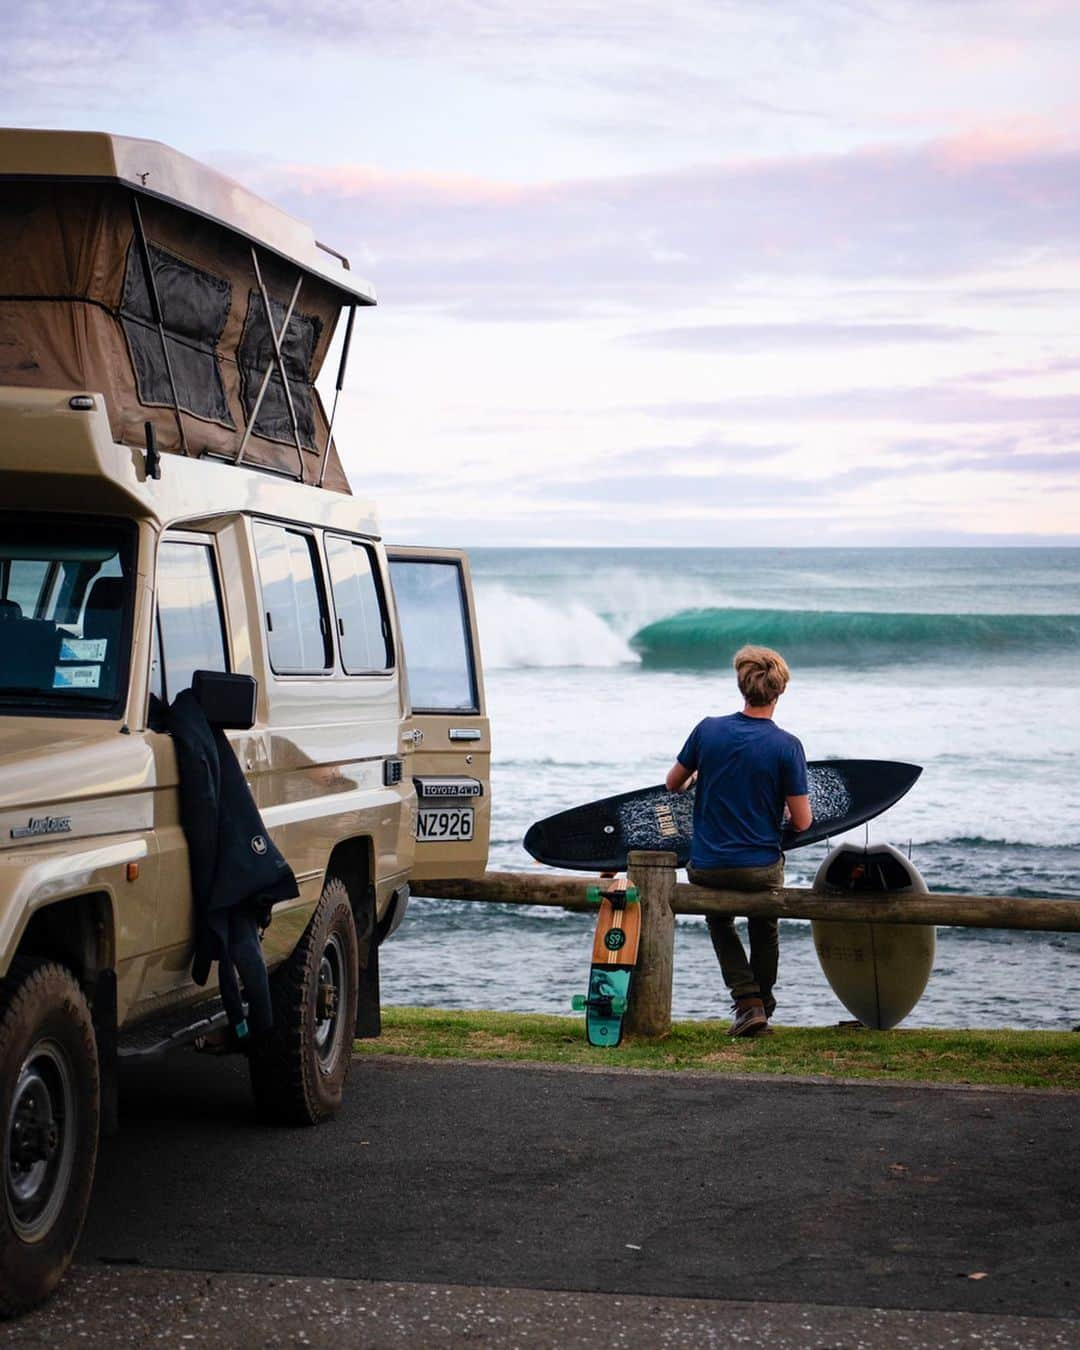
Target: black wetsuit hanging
[(237, 872)]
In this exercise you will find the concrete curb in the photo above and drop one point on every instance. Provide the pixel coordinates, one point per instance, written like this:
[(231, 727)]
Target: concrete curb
[(124, 1308)]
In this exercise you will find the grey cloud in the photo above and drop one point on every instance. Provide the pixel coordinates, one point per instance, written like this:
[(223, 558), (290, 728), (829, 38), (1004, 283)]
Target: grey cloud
[(1063, 365), (994, 454), (931, 404), (721, 489), (1065, 464), (760, 337), (938, 446), (732, 456)]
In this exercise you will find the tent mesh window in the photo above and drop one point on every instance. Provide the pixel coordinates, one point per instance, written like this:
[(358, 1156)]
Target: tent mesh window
[(256, 353), (194, 309)]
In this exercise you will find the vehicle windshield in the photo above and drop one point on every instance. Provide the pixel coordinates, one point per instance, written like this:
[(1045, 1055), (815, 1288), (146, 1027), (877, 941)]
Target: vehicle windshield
[(65, 600)]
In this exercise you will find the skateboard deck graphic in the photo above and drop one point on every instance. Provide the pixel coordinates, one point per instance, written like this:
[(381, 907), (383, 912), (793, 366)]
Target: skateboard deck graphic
[(614, 956)]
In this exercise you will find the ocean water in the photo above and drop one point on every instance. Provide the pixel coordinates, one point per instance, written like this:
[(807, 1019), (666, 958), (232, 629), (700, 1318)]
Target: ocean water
[(599, 661)]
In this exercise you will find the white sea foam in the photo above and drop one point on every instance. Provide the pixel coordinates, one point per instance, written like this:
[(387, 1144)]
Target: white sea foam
[(520, 631)]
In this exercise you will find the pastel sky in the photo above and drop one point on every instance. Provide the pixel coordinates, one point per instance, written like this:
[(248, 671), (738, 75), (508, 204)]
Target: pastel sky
[(803, 273)]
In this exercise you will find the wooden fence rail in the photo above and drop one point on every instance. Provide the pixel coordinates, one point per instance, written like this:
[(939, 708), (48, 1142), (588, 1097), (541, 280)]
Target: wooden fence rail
[(662, 897), (567, 891)]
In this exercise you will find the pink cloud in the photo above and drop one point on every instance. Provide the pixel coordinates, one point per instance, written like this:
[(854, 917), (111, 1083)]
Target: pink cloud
[(1001, 145), (947, 209)]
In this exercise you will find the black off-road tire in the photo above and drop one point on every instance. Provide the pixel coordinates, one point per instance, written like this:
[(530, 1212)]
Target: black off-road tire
[(50, 1115), (298, 1074)]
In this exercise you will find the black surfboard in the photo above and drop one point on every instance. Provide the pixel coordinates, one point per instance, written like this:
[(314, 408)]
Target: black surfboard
[(596, 837)]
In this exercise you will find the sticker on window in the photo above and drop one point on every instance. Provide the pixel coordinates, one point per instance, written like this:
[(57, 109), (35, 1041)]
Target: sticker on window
[(76, 677), (83, 649)]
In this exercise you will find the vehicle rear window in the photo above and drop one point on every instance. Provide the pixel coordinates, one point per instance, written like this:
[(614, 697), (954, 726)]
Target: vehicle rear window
[(293, 608), (430, 596), (65, 614)]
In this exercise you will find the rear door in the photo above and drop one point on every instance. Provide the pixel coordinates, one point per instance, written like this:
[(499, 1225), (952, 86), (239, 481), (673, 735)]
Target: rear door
[(446, 736)]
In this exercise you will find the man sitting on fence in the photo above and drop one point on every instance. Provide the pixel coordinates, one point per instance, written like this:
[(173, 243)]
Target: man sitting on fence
[(750, 776)]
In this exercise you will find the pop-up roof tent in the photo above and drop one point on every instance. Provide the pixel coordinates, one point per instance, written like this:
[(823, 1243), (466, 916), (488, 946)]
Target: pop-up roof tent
[(129, 270)]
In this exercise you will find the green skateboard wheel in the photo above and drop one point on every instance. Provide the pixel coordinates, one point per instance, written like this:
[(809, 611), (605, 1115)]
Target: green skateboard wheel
[(631, 895), (618, 1006), (578, 1003), (593, 895)]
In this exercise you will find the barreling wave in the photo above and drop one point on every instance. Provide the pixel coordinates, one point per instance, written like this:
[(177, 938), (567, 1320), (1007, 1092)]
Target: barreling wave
[(705, 639)]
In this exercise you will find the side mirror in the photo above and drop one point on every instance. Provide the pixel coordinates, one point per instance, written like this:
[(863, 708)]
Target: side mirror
[(227, 700)]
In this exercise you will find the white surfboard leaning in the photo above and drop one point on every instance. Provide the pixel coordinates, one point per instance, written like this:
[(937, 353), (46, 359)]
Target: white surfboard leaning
[(878, 971)]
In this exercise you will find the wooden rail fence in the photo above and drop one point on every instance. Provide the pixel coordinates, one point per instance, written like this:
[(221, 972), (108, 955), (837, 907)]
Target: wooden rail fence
[(662, 897)]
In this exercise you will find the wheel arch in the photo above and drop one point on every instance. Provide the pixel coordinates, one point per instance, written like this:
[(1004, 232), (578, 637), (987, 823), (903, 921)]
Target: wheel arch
[(77, 931), (353, 863)]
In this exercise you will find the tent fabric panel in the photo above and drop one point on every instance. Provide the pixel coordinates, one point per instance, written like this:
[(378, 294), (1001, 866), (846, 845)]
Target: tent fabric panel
[(67, 345), (62, 239)]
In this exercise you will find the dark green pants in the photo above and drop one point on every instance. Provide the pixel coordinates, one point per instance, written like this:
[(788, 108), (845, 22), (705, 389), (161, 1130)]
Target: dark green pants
[(756, 975)]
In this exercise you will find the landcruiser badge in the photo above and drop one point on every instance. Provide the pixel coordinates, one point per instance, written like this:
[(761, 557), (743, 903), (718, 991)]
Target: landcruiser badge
[(258, 845), (42, 825)]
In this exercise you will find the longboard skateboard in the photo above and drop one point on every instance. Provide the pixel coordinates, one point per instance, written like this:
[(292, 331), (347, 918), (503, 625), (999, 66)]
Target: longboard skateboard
[(614, 956)]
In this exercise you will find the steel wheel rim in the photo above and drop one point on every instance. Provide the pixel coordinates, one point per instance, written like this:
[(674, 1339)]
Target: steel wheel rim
[(329, 1030), (42, 1129)]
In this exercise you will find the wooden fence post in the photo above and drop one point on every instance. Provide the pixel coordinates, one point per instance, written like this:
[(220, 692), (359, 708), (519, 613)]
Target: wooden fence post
[(649, 1012)]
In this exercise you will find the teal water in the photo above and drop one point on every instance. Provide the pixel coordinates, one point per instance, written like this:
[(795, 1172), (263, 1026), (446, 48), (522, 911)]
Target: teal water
[(966, 661)]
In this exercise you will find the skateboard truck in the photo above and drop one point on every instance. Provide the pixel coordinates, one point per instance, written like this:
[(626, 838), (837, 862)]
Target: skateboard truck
[(605, 1004), (595, 895)]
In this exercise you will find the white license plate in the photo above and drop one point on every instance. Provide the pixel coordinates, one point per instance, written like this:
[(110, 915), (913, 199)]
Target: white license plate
[(444, 822)]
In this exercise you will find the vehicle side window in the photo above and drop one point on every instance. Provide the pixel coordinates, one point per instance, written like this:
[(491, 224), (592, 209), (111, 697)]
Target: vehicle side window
[(363, 633), (430, 598), (189, 616), (296, 625)]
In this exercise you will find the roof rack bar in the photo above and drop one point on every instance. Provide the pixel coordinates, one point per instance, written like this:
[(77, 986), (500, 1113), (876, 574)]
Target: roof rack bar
[(334, 254), (337, 391), (155, 306), (279, 360), (269, 369)]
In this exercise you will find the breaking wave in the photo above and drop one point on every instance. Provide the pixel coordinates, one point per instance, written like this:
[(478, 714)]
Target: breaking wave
[(704, 639), (519, 631)]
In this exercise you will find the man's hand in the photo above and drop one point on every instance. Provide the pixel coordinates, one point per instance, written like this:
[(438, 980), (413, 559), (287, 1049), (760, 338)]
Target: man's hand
[(679, 778), (797, 811)]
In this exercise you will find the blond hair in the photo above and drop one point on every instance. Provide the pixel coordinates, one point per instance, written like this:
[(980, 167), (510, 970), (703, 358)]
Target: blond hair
[(762, 675)]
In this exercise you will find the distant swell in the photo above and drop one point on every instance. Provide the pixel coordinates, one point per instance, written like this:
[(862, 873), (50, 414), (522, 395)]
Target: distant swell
[(708, 638)]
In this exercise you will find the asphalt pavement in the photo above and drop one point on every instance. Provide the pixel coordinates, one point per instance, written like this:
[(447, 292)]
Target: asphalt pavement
[(866, 1214)]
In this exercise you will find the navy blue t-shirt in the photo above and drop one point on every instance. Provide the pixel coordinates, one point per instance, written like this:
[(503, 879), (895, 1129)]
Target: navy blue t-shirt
[(746, 767)]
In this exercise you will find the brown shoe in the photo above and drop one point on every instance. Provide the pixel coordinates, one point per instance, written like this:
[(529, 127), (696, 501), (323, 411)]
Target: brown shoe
[(749, 1018)]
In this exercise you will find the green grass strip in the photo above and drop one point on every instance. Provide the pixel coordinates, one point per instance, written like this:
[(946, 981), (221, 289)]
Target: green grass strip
[(1044, 1059)]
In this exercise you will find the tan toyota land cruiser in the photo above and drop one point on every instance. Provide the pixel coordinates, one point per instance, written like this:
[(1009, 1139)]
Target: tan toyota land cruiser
[(171, 500)]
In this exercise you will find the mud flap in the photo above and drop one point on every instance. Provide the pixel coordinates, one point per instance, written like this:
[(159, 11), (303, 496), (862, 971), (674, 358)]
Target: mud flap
[(104, 1015), (368, 1006)]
